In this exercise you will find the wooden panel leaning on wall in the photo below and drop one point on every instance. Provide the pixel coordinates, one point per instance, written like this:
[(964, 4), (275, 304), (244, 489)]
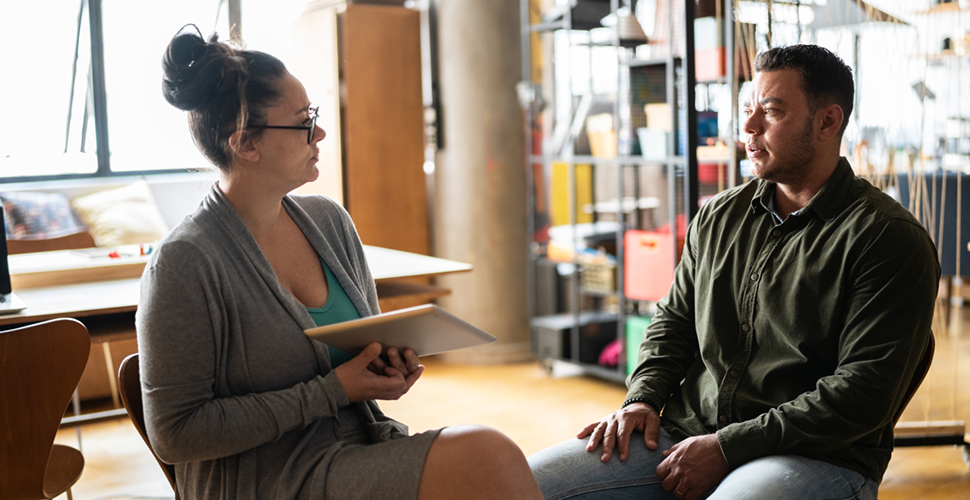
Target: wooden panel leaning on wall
[(383, 126)]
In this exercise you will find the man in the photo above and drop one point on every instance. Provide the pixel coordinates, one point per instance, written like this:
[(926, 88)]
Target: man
[(799, 311)]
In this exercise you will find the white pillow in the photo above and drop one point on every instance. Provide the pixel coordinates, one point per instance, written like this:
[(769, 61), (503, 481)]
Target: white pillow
[(122, 216)]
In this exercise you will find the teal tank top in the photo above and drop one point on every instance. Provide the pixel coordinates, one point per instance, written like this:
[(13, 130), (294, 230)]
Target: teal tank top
[(337, 309)]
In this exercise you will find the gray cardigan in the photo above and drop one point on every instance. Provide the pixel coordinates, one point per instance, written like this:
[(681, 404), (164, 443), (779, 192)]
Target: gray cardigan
[(236, 395)]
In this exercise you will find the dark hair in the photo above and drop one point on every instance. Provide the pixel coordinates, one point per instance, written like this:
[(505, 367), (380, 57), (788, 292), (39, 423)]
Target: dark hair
[(223, 88), (825, 78)]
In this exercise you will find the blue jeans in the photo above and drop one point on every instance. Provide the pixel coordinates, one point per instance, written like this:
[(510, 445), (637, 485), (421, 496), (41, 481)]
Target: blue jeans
[(567, 470)]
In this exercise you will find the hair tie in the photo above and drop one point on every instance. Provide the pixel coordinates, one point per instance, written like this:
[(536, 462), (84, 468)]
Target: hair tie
[(181, 31), (198, 49)]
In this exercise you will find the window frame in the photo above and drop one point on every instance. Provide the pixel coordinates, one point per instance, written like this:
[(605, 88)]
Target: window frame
[(100, 111)]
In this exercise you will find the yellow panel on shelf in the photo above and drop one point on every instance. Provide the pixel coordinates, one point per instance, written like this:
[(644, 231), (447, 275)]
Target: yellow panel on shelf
[(560, 193)]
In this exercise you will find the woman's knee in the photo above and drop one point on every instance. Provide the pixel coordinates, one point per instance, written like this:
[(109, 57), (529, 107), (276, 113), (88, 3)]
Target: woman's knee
[(487, 444), (476, 462)]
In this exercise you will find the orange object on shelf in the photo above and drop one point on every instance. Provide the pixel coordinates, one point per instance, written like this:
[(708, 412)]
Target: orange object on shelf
[(710, 65), (648, 264), (711, 173)]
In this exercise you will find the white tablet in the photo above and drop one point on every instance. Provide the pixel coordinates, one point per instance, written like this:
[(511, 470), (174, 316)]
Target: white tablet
[(427, 329)]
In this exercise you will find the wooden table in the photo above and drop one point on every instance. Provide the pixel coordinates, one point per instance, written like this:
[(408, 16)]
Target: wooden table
[(103, 293), (68, 286), (394, 272)]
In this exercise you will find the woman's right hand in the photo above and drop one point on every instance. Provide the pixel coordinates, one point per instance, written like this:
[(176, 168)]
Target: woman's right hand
[(362, 384)]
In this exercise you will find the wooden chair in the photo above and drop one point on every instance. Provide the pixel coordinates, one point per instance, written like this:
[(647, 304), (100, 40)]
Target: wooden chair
[(40, 366), (130, 381)]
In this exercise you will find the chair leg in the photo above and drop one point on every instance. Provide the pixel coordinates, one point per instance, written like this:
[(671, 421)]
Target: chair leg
[(946, 285), (69, 495)]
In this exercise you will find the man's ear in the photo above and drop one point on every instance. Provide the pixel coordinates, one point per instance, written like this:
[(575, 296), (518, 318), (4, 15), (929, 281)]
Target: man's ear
[(242, 145), (832, 118)]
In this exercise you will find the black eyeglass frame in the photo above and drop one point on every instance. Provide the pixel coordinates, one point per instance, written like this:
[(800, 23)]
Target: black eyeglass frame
[(311, 128)]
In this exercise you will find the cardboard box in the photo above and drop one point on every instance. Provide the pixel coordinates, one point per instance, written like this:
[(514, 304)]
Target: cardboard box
[(659, 116), (602, 137)]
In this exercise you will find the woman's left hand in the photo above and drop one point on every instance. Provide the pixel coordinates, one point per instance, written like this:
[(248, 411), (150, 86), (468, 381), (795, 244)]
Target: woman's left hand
[(406, 364)]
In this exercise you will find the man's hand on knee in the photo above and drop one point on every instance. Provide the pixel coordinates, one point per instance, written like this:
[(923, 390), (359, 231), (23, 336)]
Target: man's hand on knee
[(693, 467), (614, 430)]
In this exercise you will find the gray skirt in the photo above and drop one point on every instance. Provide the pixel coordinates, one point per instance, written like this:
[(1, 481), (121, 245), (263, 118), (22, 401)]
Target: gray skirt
[(388, 470)]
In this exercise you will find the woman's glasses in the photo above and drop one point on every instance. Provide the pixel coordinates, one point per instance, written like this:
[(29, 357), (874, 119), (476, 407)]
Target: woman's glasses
[(311, 128)]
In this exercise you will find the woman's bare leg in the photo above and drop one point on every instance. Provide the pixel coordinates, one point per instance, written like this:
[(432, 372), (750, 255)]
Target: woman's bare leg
[(474, 462)]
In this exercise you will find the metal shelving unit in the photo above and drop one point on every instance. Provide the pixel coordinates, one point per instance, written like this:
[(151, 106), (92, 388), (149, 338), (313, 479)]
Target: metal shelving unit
[(570, 320)]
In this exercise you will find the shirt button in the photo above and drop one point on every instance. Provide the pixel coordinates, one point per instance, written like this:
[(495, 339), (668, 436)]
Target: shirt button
[(776, 232), (746, 327), (754, 276), (734, 373), (723, 418)]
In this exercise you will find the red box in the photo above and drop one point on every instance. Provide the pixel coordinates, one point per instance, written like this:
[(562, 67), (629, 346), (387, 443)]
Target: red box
[(707, 173), (711, 64), (648, 269)]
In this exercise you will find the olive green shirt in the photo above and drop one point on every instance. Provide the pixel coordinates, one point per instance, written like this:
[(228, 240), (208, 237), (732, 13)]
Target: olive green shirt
[(797, 337)]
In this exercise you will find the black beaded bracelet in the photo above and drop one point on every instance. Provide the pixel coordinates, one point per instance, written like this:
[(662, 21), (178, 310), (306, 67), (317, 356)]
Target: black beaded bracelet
[(637, 400), (640, 400)]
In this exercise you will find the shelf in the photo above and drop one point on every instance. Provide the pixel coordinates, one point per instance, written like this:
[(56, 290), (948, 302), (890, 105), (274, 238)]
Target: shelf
[(622, 43), (623, 160), (550, 26), (942, 8), (717, 81), (612, 374), (946, 54), (654, 61), (596, 293), (629, 205), (559, 336), (584, 14), (629, 192), (394, 295)]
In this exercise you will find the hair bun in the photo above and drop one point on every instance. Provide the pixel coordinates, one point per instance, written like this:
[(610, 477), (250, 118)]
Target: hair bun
[(191, 69)]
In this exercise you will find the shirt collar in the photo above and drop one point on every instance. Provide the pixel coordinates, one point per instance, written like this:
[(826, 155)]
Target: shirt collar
[(827, 203)]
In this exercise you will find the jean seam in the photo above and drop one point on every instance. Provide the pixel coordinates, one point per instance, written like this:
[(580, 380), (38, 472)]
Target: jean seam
[(626, 483), (856, 490)]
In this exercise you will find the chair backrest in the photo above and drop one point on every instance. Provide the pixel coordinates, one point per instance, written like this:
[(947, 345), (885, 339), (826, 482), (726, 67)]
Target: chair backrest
[(918, 376), (130, 381), (40, 366)]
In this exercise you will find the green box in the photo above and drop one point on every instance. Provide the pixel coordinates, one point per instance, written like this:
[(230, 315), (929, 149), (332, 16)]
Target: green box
[(635, 326)]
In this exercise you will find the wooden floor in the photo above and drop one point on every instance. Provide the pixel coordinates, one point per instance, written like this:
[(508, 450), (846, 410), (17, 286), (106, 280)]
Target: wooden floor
[(537, 409)]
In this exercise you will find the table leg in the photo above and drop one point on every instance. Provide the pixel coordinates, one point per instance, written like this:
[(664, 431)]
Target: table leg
[(112, 376), (76, 404)]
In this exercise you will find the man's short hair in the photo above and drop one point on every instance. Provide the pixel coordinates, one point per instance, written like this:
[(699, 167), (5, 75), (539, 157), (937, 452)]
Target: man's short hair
[(825, 78)]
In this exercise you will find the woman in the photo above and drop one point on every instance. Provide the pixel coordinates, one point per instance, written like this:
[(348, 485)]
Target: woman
[(236, 395)]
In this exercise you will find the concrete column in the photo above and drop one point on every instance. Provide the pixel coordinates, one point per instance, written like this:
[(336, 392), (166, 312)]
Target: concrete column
[(480, 195)]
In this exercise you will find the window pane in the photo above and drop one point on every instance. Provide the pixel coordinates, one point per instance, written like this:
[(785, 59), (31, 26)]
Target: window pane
[(268, 27), (145, 132), (44, 131)]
